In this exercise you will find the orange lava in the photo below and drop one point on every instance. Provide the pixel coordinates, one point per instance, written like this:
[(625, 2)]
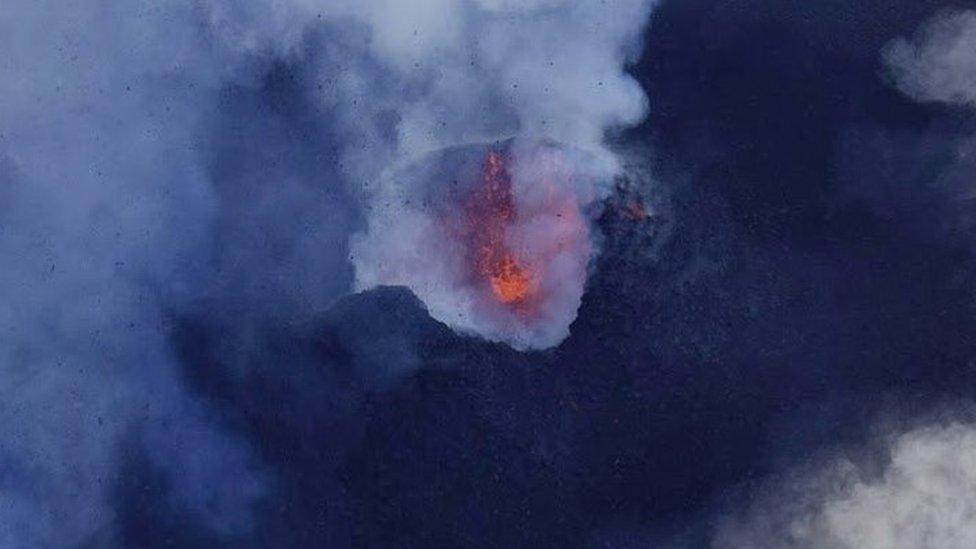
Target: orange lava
[(510, 283), (491, 210)]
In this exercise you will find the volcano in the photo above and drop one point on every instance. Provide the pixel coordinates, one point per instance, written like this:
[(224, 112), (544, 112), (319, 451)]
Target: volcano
[(494, 238)]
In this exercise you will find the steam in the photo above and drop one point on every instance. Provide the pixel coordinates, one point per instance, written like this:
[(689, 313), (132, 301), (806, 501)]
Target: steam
[(546, 72), (923, 497)]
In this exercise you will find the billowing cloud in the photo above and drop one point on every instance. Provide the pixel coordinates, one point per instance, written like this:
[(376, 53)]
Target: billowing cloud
[(923, 496), (939, 63), (479, 73), (105, 206)]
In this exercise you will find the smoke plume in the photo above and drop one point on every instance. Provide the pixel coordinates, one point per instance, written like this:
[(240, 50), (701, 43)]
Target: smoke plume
[(458, 73)]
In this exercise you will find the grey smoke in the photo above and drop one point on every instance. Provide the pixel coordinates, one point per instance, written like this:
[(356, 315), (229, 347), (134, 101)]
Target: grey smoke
[(402, 80), (922, 497), (105, 207), (451, 73)]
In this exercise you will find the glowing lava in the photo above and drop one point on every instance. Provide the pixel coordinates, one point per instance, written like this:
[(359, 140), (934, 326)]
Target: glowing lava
[(491, 211), (493, 238)]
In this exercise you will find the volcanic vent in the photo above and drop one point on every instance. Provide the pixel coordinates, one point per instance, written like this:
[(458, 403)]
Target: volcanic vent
[(493, 238), (489, 212)]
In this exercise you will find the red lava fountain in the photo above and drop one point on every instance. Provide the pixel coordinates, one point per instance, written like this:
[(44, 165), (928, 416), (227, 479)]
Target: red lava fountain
[(493, 238), (490, 211)]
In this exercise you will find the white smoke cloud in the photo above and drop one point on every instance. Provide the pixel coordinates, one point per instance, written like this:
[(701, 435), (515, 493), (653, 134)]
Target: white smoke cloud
[(924, 497), (939, 63), (460, 72), (457, 71)]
